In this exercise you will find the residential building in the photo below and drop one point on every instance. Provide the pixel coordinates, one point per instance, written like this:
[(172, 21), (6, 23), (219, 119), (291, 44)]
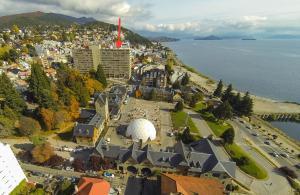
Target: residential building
[(155, 78), (101, 105), (116, 97), (199, 158), (178, 184), (11, 173), (116, 63), (86, 59), (92, 186), (88, 128)]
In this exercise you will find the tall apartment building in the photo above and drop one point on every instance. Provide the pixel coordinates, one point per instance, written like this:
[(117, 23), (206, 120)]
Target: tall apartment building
[(11, 174), (116, 63), (86, 59)]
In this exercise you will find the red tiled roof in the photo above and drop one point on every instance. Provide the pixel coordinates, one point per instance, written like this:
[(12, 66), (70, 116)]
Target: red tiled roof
[(171, 183), (93, 186)]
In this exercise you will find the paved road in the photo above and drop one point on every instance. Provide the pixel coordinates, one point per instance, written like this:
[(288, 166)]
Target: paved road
[(31, 167), (275, 184), (269, 149), (200, 123)]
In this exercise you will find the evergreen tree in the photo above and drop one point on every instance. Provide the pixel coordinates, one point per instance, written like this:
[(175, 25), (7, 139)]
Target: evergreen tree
[(9, 94), (227, 94), (228, 136), (40, 87), (100, 76), (236, 103), (223, 111), (246, 107), (185, 79), (219, 89)]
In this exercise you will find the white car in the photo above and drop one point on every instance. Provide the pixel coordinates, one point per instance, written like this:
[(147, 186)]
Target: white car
[(275, 154)]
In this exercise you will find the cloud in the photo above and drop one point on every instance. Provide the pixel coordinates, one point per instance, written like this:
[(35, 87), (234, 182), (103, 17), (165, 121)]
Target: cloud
[(186, 26), (105, 10)]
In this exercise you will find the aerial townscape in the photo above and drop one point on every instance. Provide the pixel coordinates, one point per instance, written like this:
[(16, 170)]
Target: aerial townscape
[(79, 115)]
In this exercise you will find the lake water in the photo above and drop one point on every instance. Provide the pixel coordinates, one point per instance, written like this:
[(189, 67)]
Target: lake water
[(290, 128), (268, 68)]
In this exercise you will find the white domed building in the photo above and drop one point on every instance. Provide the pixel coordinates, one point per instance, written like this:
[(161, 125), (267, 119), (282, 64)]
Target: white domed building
[(141, 129)]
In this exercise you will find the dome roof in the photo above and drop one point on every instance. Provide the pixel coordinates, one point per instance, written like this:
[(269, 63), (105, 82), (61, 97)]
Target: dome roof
[(141, 129)]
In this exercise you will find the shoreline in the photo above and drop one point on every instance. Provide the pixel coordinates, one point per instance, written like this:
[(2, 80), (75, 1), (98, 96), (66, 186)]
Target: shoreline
[(261, 104)]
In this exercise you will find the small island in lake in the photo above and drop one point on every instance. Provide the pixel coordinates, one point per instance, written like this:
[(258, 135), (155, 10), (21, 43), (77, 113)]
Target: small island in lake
[(211, 37)]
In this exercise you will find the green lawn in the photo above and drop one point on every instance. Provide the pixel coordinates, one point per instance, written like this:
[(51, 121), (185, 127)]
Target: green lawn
[(251, 168), (178, 121), (217, 127), (235, 152)]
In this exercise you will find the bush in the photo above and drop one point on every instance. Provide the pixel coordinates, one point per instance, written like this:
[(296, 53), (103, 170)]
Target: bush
[(42, 153), (228, 136), (28, 126), (178, 106)]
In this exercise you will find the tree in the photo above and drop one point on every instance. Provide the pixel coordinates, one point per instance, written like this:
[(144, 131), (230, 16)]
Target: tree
[(93, 86), (246, 107), (196, 97), (47, 118), (95, 162), (219, 89), (78, 165), (227, 94), (228, 136), (74, 108), (223, 111), (185, 79), (100, 76), (179, 106), (15, 29), (169, 66), (54, 161), (65, 187), (12, 98), (186, 136), (40, 88), (28, 126), (42, 153)]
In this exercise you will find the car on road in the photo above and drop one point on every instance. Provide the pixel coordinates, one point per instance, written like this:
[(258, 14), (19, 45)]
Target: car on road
[(284, 155), (108, 174), (255, 134), (275, 154), (268, 143)]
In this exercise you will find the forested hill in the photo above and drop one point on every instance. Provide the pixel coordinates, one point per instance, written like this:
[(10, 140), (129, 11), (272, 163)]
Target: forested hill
[(49, 19)]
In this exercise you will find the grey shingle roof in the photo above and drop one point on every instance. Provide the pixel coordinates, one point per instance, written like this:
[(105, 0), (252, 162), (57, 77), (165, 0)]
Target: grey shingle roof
[(197, 157)]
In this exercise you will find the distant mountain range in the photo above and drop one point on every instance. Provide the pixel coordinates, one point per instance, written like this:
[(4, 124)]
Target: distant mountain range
[(211, 37), (41, 18), (163, 39)]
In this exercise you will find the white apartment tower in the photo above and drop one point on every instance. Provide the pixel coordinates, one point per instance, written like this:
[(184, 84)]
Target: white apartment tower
[(11, 173)]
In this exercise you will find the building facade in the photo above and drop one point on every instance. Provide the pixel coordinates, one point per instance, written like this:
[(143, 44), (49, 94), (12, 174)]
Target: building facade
[(86, 59), (11, 173), (116, 63), (155, 78)]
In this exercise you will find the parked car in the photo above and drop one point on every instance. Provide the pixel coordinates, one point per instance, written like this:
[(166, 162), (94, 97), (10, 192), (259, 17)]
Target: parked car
[(297, 166), (268, 143), (108, 174), (255, 134)]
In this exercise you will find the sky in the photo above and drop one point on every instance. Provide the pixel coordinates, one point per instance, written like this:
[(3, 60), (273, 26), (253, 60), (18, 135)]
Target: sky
[(196, 17)]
